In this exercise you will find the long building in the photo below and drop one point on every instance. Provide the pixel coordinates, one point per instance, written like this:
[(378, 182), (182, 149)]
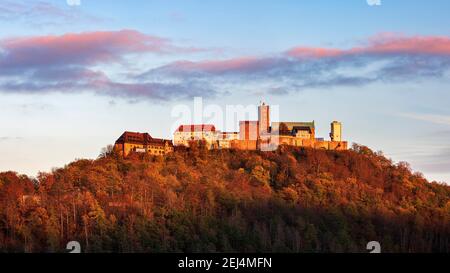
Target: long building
[(185, 134), (130, 142)]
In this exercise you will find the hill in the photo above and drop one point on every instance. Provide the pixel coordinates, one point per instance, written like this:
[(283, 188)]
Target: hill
[(194, 200)]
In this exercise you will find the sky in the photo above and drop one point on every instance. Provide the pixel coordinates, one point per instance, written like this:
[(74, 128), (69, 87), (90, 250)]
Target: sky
[(76, 74)]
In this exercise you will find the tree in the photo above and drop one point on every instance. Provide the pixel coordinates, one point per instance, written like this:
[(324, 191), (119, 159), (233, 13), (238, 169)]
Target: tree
[(195, 199)]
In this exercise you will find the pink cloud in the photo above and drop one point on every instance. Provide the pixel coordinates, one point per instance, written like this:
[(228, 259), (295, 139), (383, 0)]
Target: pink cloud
[(81, 48), (314, 52), (68, 63), (222, 66), (432, 45), (378, 46), (301, 67), (382, 44)]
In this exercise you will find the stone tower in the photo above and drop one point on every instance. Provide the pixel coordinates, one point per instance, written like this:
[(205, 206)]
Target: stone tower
[(264, 118), (336, 131)]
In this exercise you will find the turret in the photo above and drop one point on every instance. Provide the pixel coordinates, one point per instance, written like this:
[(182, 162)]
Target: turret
[(336, 131), (264, 118)]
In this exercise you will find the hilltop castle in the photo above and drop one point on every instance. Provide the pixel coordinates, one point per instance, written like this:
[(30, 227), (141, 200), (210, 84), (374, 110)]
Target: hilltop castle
[(142, 143), (253, 135)]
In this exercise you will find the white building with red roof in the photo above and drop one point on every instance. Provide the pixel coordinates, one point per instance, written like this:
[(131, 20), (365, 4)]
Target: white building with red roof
[(185, 134)]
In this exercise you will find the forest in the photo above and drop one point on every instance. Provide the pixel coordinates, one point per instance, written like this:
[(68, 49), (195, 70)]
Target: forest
[(197, 200)]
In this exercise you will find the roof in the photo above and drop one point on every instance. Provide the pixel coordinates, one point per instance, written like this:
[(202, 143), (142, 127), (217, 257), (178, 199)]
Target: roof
[(293, 125), (196, 128), (134, 137), (140, 138), (160, 141), (302, 128)]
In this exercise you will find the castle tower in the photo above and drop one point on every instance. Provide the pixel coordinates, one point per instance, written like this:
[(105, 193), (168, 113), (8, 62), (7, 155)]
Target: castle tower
[(336, 131), (264, 118)]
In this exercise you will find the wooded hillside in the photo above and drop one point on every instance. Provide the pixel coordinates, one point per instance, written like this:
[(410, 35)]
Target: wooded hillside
[(194, 200)]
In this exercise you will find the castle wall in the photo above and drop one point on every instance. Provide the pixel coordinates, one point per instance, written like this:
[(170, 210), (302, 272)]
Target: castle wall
[(249, 130), (118, 148), (308, 143), (244, 145), (130, 147), (324, 145), (159, 150), (127, 148), (338, 145), (184, 138)]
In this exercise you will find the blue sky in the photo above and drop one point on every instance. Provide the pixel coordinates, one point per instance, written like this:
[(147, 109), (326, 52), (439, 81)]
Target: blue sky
[(73, 78)]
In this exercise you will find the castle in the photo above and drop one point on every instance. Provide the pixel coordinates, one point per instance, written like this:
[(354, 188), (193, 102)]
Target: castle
[(142, 143), (260, 134)]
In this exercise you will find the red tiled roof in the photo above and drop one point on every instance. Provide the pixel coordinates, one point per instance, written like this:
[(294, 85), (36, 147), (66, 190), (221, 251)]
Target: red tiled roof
[(160, 141), (197, 128), (140, 138), (132, 137)]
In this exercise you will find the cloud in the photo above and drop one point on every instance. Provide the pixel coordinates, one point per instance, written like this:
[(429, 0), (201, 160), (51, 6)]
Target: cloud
[(5, 138), (432, 118), (241, 65), (73, 81), (383, 58), (65, 63), (86, 48), (381, 45), (435, 162), (77, 62), (42, 13)]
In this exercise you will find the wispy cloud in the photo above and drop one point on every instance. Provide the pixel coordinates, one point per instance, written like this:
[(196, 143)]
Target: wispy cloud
[(383, 44), (43, 13), (86, 48), (433, 118), (76, 62), (383, 58), (6, 138), (70, 63), (435, 162)]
